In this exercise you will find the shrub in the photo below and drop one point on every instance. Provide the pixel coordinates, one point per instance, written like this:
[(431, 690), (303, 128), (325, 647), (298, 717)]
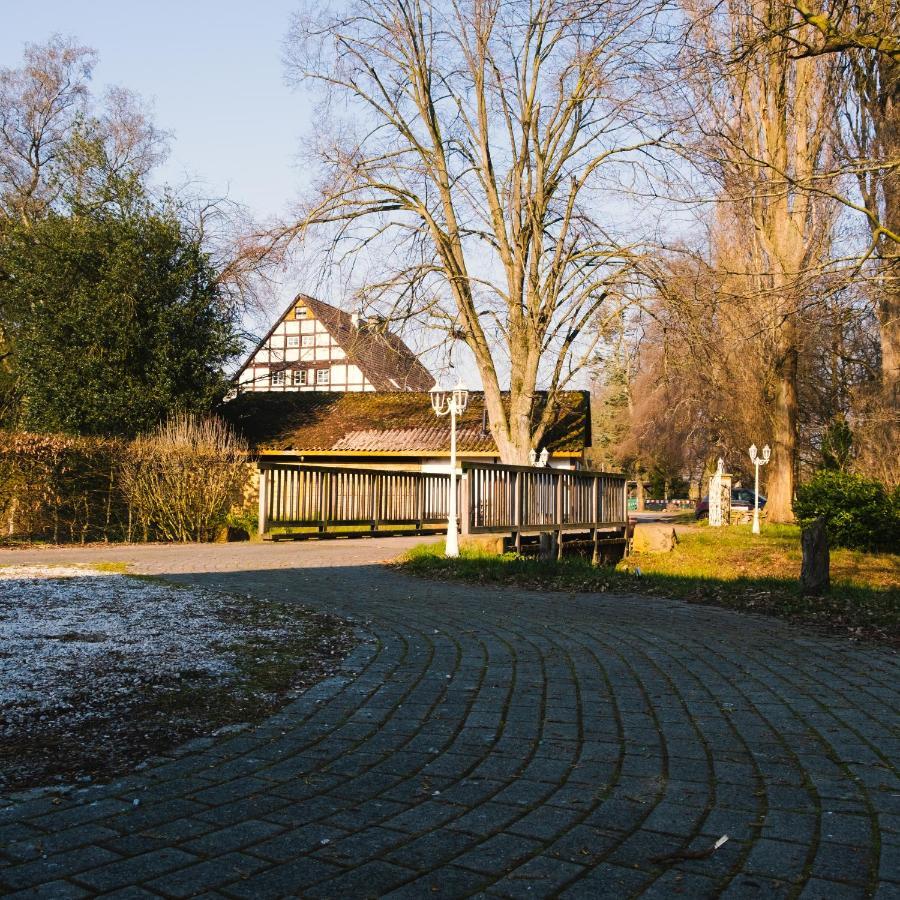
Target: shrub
[(184, 478), (61, 488), (859, 512)]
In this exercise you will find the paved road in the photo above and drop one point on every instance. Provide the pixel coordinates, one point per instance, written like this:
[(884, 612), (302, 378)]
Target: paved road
[(500, 742)]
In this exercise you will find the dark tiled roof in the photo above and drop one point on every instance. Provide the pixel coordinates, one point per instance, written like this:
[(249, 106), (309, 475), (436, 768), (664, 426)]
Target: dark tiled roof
[(380, 355), (383, 358), (384, 423)]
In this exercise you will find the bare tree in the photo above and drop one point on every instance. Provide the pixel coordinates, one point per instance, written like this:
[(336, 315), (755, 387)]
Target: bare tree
[(766, 122), (872, 149), (865, 37), (40, 104), (486, 136), (840, 26), (57, 145)]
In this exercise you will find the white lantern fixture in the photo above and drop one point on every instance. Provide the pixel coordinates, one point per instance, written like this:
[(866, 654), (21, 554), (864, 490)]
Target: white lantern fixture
[(451, 402), (757, 462), (538, 460)]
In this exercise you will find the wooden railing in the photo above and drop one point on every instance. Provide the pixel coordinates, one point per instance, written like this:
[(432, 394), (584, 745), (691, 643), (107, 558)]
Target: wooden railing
[(492, 499), (328, 499), (520, 498)]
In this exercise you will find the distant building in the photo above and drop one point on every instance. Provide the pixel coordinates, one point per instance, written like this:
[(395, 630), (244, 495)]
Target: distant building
[(317, 347), (391, 430)]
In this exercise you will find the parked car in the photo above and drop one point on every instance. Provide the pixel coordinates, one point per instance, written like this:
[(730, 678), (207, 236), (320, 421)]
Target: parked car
[(741, 500)]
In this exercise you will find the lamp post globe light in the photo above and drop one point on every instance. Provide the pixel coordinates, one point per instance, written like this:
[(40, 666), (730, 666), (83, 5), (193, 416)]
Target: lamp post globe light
[(451, 402), (757, 462)]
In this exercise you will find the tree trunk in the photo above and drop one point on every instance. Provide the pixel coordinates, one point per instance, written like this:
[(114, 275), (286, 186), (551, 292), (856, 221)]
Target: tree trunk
[(780, 498), (889, 307), (511, 426), (888, 126), (815, 568), (889, 319)]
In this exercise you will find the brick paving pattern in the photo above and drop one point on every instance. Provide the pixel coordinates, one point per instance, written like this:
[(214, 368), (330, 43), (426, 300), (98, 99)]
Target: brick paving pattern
[(500, 744)]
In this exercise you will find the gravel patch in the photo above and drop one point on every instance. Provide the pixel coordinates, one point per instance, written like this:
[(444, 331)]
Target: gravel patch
[(98, 669)]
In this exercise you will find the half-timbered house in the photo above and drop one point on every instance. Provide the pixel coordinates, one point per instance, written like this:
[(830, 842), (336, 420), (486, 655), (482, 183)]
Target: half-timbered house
[(317, 347)]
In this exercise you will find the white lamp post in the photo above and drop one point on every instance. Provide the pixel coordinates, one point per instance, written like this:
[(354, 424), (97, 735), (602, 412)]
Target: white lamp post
[(757, 462), (452, 402)]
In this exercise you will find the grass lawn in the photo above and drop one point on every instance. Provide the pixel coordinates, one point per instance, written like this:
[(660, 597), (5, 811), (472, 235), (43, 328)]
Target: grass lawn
[(727, 567)]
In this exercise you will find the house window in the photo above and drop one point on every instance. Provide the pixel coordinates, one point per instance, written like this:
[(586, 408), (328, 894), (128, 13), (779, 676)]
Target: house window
[(308, 340), (299, 377), (276, 379), (323, 376), (300, 312), (293, 340)]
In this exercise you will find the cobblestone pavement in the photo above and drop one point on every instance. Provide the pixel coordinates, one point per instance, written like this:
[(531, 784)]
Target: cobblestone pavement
[(503, 743)]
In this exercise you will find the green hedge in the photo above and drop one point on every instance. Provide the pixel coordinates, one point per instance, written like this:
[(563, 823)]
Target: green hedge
[(859, 513)]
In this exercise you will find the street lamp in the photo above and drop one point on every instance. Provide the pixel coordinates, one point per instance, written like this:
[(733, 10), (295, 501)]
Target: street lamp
[(452, 402), (757, 462)]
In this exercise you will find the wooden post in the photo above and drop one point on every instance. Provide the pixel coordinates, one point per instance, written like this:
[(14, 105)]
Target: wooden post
[(323, 502), (517, 510), (595, 539), (420, 503), (263, 525), (464, 505), (376, 501), (557, 515), (546, 545)]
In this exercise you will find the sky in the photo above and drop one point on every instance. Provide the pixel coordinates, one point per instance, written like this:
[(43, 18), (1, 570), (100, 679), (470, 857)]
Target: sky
[(212, 72), (214, 76)]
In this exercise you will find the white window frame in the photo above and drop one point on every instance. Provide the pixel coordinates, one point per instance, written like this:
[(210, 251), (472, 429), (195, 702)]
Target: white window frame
[(308, 340), (276, 378), (323, 376), (299, 378), (293, 340)]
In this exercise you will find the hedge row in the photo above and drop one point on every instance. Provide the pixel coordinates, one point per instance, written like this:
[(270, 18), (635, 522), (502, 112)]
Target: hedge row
[(76, 489), (60, 488)]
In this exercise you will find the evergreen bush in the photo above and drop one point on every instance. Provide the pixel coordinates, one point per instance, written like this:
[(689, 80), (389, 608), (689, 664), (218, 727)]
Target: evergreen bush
[(859, 513)]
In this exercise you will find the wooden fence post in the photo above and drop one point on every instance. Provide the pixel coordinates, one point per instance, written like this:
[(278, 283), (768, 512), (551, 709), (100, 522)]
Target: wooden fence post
[(517, 509), (263, 524), (323, 501), (559, 516), (376, 502), (420, 504), (463, 504)]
